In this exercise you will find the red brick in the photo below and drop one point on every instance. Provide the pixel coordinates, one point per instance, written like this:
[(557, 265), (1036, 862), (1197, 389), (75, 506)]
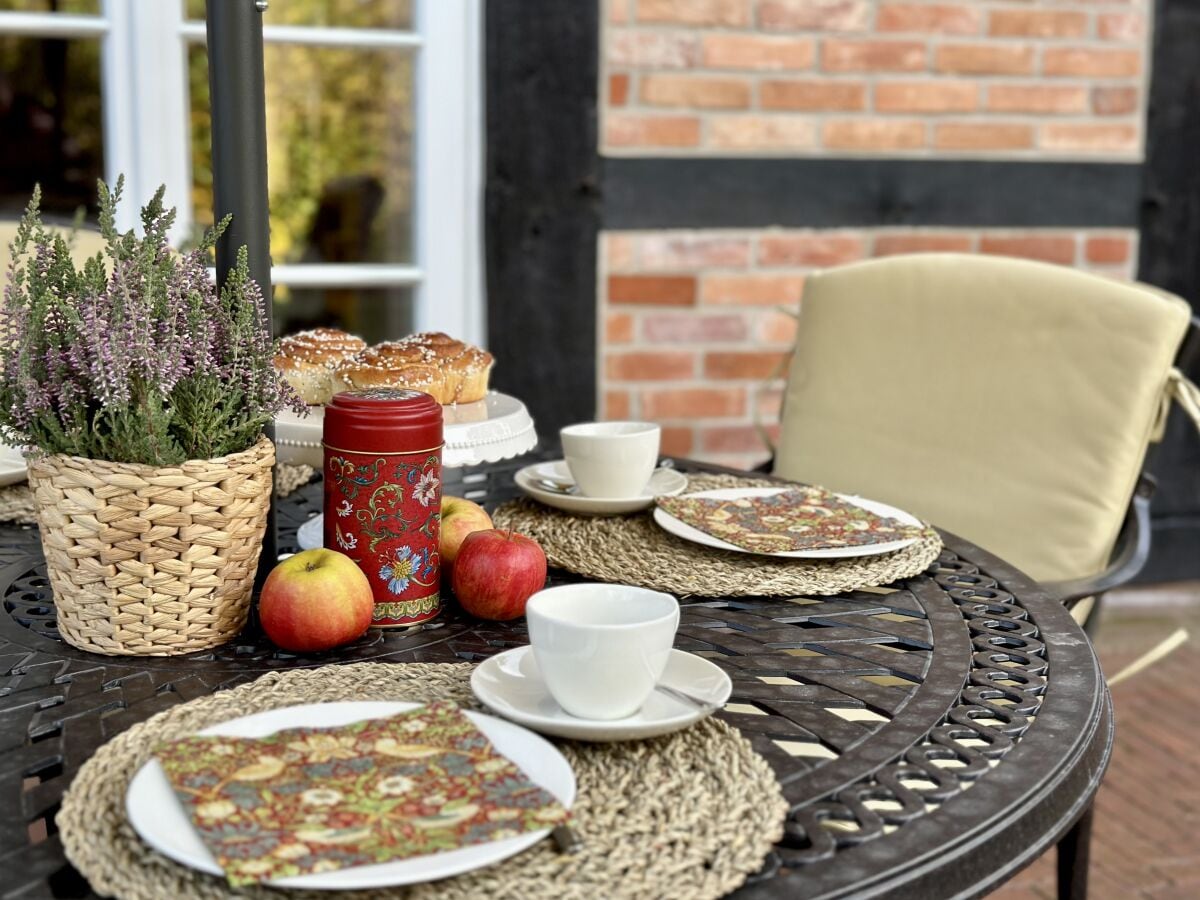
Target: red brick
[(769, 403), (777, 328), (814, 15), (820, 249), (618, 328), (689, 328), (1126, 27), (618, 405), (1040, 23), (813, 95), (872, 56), (652, 49), (873, 134), (700, 403), (618, 89), (983, 136), (1037, 98), (922, 242), (771, 132), (754, 365), (1114, 101), (1083, 62), (695, 12), (1055, 248), (692, 91), (1108, 250), (660, 290), (755, 290), (926, 96), (676, 440), (751, 51), (734, 438), (694, 251), (932, 18), (1096, 137), (985, 59), (657, 365), (625, 130), (620, 251)]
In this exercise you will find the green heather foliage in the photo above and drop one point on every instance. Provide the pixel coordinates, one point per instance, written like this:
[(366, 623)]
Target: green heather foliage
[(135, 357)]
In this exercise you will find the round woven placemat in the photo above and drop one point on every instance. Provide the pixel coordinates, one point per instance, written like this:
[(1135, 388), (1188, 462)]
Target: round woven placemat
[(634, 550), (686, 815)]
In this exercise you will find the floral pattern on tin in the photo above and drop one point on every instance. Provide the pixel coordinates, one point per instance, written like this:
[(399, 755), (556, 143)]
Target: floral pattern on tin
[(426, 489), (406, 565), (316, 800)]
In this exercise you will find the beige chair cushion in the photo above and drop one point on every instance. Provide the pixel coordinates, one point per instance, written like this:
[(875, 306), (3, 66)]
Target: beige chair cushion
[(1007, 401)]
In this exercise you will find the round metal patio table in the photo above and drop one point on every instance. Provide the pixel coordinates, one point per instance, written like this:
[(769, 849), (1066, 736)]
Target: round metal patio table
[(932, 738)]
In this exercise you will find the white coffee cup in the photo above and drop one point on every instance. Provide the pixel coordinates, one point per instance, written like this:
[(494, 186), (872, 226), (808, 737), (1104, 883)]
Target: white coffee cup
[(611, 459), (601, 648)]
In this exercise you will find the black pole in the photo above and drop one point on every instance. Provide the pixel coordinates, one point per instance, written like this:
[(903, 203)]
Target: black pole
[(239, 157)]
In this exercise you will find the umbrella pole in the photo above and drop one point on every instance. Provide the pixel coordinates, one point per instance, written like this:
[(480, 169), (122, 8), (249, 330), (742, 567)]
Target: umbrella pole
[(239, 159)]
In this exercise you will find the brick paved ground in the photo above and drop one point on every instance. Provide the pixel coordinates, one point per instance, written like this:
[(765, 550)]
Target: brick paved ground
[(1147, 831)]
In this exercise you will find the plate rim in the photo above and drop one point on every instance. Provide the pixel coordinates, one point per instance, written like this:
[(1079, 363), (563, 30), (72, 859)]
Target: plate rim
[(596, 730), (151, 769), (677, 525)]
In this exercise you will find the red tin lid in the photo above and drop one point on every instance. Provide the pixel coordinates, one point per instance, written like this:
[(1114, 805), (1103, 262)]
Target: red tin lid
[(383, 420)]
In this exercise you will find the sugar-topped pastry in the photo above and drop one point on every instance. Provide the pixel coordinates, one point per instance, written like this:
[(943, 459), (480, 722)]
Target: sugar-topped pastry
[(306, 360), (449, 370)]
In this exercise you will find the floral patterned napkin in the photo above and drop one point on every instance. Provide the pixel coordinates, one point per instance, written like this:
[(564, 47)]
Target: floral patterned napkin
[(801, 518), (317, 799)]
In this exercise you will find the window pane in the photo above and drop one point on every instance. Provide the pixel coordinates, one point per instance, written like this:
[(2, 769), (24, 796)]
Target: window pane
[(50, 124), (67, 6), (375, 314), (335, 13), (339, 151)]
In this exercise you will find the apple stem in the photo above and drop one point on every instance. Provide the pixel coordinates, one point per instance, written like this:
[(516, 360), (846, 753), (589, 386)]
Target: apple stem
[(310, 567)]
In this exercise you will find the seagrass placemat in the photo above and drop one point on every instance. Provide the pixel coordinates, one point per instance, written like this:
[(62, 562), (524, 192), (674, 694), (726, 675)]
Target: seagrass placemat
[(686, 815), (634, 550)]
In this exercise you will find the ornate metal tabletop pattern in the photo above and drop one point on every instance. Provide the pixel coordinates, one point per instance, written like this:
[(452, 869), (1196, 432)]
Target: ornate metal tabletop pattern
[(932, 737)]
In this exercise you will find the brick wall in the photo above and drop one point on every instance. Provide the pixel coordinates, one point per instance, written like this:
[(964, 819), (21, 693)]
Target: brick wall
[(693, 328), (1044, 78)]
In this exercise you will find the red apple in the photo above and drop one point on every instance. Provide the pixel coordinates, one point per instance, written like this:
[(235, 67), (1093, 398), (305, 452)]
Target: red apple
[(315, 600), (496, 572), (460, 517)]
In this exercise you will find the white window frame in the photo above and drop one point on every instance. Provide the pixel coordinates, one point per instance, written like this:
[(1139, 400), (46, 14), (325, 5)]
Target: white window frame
[(146, 136)]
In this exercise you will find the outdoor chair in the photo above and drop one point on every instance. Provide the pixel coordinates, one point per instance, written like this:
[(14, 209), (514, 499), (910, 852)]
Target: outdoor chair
[(1077, 373)]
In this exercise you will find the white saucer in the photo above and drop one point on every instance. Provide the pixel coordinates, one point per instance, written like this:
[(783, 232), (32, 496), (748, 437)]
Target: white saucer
[(159, 818), (12, 465), (511, 685), (681, 529), (663, 483), (311, 535)]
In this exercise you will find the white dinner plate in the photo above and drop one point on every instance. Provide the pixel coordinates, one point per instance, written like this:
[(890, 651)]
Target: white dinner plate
[(12, 465), (510, 684), (663, 483), (159, 818), (681, 529)]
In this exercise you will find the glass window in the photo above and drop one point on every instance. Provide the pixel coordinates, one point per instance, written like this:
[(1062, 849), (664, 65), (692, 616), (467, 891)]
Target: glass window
[(340, 151), (51, 123), (374, 314), (332, 13), (85, 7)]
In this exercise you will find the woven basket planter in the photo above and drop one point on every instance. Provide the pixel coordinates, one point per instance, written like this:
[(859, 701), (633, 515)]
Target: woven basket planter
[(149, 561)]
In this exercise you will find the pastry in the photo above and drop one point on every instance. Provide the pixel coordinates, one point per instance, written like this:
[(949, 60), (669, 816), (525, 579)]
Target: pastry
[(306, 361), (449, 370)]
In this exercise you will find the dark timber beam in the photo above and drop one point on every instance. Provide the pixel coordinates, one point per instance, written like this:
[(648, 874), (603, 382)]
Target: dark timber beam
[(542, 204), (727, 192)]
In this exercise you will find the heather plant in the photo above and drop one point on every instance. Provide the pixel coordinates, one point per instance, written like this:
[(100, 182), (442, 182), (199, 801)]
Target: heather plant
[(135, 357)]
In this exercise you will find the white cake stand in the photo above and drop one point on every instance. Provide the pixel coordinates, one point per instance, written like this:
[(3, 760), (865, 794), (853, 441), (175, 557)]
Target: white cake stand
[(489, 430)]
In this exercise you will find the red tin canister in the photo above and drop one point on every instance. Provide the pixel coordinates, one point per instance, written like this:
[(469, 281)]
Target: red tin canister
[(383, 496)]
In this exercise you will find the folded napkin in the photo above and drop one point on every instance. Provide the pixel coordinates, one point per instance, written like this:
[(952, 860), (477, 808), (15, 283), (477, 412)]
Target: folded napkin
[(317, 799), (800, 518)]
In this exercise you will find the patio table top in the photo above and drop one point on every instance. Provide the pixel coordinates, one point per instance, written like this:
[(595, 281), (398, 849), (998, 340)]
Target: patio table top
[(932, 739)]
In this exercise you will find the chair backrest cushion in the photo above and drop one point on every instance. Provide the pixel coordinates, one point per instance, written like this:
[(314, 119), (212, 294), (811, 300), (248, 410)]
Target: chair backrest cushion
[(1009, 402)]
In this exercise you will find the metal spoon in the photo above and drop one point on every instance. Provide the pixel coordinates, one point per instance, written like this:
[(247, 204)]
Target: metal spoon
[(706, 706)]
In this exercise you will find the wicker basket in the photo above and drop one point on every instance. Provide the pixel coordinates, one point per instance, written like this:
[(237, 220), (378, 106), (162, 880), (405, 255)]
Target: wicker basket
[(148, 561)]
